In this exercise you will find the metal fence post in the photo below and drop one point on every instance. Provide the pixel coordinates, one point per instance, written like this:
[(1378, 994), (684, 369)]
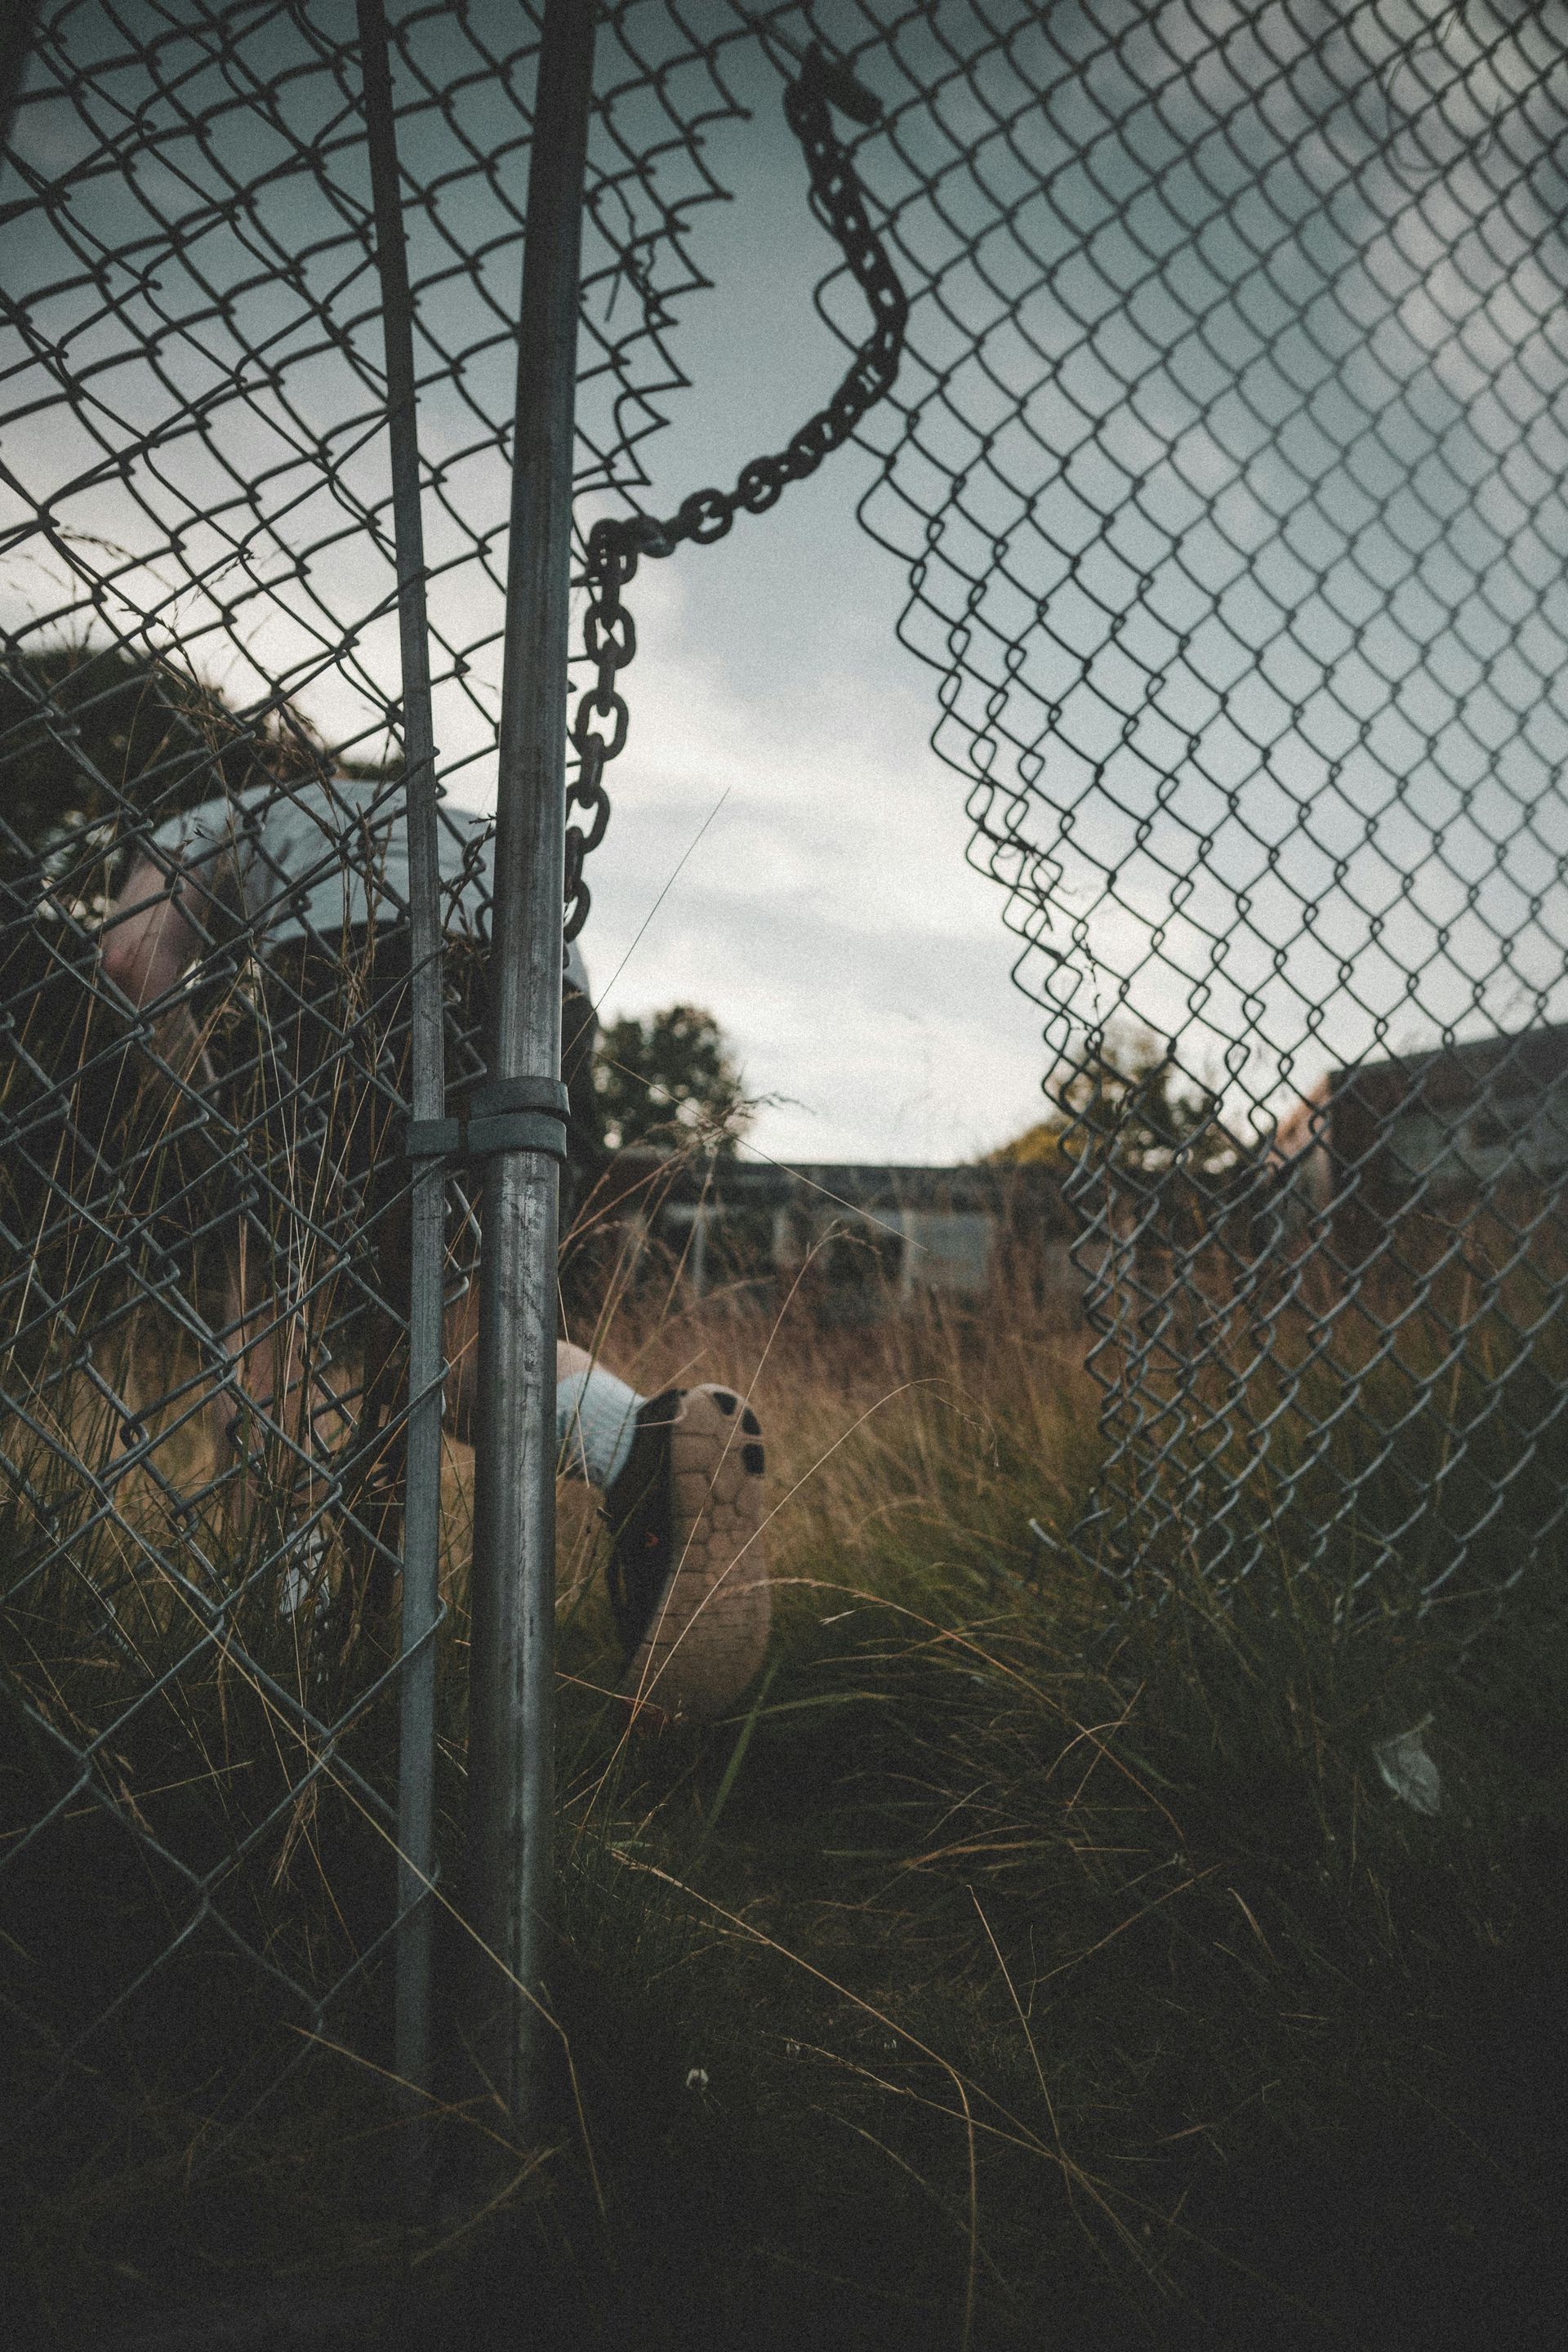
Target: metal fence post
[(18, 30), (426, 1369), (511, 1665)]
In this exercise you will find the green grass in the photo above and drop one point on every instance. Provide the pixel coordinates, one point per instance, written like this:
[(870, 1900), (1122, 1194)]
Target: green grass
[(1059, 1975)]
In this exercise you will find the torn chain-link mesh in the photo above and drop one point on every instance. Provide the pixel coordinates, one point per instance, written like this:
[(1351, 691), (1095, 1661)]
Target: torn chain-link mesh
[(1226, 460)]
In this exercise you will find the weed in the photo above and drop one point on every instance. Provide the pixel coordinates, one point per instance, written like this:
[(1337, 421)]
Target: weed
[(1014, 1967)]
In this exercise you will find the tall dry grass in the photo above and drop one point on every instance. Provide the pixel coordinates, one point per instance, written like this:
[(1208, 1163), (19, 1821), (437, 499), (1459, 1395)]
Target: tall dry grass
[(1011, 1969)]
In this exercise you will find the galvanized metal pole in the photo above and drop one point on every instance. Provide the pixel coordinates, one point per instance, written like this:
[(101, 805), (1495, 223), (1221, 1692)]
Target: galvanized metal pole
[(426, 1369), (18, 31), (511, 1663)]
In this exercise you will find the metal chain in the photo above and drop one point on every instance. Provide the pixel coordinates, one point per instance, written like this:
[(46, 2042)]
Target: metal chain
[(616, 545)]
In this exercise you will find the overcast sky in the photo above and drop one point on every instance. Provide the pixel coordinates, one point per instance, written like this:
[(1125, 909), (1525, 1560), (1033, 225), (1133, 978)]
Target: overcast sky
[(826, 912), (786, 848), (1241, 393)]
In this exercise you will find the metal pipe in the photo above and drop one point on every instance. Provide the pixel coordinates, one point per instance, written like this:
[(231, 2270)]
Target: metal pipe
[(18, 32), (426, 1368), (511, 1660)]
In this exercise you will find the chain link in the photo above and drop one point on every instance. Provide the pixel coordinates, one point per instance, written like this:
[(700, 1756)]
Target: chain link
[(616, 546)]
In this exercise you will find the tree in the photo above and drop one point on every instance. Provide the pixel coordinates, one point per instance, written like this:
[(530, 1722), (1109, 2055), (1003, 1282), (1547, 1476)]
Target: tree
[(1128, 1100), (670, 1079)]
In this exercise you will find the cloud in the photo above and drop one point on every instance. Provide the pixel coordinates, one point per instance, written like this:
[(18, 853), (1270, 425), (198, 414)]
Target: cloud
[(826, 914)]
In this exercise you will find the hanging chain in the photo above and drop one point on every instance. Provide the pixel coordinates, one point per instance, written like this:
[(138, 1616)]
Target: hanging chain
[(616, 546)]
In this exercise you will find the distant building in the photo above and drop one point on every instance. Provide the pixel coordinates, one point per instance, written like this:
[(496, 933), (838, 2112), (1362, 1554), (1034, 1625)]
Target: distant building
[(857, 1241), (1435, 1135)]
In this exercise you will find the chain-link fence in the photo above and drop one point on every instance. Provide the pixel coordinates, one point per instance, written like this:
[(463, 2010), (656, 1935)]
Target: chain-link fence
[(1223, 449), (1227, 462), (206, 944)]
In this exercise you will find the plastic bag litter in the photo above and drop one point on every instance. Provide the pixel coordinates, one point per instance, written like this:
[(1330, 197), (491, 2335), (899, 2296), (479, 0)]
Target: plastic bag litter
[(1408, 1770)]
